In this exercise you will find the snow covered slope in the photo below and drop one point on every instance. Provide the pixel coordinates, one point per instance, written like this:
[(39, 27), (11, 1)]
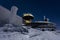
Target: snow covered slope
[(33, 34), (18, 36)]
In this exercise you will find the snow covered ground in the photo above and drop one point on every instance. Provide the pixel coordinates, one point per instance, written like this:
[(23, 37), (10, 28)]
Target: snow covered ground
[(46, 35), (33, 34)]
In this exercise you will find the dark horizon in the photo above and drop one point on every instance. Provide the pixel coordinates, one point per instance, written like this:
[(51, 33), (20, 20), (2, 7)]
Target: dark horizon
[(39, 8)]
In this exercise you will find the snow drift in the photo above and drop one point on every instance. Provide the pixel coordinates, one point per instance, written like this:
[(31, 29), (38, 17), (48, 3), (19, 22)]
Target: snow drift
[(9, 16)]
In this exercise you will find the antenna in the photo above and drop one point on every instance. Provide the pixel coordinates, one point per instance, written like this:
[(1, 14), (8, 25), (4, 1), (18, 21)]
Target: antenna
[(44, 18)]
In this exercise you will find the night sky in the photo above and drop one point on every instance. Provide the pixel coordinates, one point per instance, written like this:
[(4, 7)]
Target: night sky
[(39, 8)]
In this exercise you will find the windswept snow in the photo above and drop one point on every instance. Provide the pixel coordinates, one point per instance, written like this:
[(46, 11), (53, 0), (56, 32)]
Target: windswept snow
[(33, 34), (18, 36)]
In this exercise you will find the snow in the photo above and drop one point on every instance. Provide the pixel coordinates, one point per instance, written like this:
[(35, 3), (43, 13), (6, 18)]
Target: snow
[(18, 36), (32, 34), (9, 16)]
